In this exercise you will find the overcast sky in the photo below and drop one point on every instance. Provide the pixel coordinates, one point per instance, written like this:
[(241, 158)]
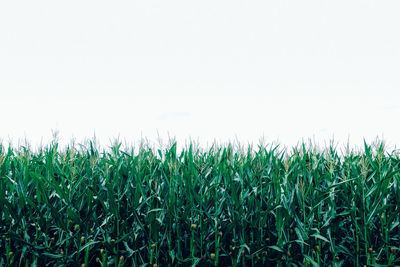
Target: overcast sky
[(224, 70)]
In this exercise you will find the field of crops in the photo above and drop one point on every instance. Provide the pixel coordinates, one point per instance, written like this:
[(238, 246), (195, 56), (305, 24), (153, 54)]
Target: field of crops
[(223, 206)]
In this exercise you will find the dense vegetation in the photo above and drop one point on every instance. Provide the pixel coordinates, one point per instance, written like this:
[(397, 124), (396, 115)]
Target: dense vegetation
[(222, 206)]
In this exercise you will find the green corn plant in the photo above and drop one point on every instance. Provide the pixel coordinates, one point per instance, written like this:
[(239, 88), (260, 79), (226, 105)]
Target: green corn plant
[(224, 205)]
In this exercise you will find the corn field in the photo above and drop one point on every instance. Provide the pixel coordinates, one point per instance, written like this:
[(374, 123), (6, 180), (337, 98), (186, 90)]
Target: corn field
[(223, 206)]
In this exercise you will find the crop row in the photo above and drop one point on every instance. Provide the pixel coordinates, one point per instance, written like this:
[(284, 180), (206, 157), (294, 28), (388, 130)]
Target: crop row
[(219, 207)]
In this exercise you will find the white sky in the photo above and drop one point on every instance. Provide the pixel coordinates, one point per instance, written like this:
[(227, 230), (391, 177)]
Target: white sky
[(206, 70)]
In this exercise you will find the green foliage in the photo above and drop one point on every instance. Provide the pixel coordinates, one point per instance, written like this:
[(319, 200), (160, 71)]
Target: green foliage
[(220, 207)]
